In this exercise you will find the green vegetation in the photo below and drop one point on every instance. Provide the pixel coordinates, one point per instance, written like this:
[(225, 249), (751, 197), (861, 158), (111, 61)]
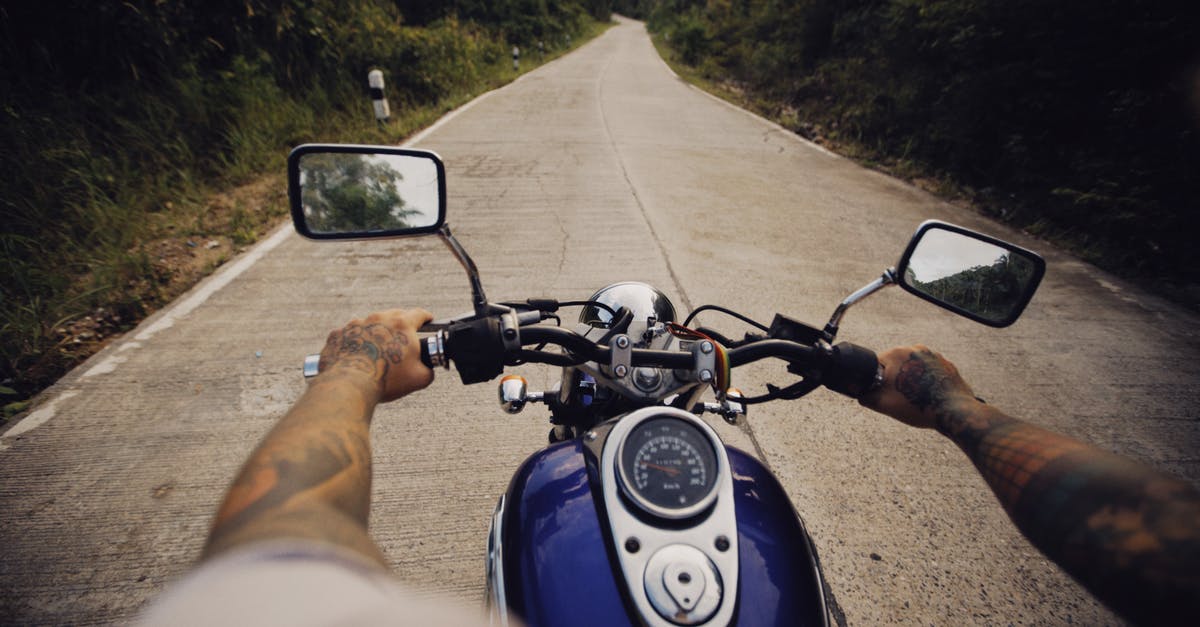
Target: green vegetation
[(347, 193), (120, 121), (1076, 120), (990, 291)]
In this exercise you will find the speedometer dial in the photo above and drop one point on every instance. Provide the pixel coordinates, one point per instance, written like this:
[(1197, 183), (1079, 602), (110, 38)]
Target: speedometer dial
[(668, 467)]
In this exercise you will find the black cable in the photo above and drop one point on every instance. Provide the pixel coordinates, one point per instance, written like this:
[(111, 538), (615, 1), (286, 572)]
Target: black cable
[(553, 305), (718, 336), (728, 312), (791, 392), (587, 303), (620, 324)]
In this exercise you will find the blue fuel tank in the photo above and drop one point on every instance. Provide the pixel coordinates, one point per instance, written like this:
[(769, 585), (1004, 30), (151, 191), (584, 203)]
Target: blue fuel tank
[(554, 561)]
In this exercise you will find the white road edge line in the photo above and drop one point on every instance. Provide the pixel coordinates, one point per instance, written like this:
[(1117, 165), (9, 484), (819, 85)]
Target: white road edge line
[(774, 125), (37, 418), (177, 310), (476, 100), (227, 274)]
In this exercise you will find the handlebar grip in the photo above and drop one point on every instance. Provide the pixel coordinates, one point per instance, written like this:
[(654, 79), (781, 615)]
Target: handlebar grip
[(853, 370), (432, 354), (312, 366), (425, 358), (433, 350)]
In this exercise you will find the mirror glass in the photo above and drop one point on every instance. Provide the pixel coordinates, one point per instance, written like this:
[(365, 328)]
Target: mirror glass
[(344, 193), (979, 278)]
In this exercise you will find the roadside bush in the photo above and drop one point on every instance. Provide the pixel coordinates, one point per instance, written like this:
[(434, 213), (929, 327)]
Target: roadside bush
[(1075, 118), (118, 118)]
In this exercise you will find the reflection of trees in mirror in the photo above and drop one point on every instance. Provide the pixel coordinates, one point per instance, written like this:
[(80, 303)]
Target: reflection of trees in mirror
[(990, 292), (347, 193)]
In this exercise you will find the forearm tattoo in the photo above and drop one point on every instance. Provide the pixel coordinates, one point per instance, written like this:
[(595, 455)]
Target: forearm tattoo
[(921, 384), (1127, 532), (309, 478)]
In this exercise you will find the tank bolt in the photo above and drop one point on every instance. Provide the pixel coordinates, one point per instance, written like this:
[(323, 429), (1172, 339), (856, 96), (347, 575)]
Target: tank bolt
[(722, 543), (622, 370), (706, 347), (622, 342), (510, 333), (706, 375), (632, 545), (590, 436)]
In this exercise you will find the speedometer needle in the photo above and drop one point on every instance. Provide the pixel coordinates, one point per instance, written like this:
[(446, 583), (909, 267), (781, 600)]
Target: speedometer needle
[(666, 469)]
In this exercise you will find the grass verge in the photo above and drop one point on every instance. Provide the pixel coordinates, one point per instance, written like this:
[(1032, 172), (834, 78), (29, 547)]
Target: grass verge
[(131, 242), (811, 125)]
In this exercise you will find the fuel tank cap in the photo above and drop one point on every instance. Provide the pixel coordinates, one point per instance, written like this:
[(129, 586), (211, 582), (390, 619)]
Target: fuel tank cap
[(683, 585)]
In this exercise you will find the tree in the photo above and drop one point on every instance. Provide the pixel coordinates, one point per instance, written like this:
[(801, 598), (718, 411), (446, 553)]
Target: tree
[(348, 193), (990, 291)]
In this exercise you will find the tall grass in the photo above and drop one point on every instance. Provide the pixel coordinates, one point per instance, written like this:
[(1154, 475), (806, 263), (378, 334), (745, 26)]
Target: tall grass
[(118, 122)]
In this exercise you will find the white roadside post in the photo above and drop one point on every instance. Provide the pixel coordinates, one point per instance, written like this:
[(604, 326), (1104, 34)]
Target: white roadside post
[(375, 81), (516, 58)]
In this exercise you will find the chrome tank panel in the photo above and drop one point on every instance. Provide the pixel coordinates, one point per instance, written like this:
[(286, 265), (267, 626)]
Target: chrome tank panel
[(558, 570)]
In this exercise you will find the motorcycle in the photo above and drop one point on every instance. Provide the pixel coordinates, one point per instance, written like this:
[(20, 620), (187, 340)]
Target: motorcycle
[(637, 512)]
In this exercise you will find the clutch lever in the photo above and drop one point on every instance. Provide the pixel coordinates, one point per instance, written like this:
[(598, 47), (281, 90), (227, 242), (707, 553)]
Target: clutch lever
[(443, 323)]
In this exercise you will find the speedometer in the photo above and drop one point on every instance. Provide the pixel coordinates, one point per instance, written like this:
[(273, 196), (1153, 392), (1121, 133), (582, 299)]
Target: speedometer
[(668, 467)]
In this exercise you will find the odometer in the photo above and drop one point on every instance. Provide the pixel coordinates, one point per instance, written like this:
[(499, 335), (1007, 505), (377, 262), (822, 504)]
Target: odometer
[(668, 467)]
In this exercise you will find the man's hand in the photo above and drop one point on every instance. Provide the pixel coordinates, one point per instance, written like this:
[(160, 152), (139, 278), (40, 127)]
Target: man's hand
[(311, 476), (382, 351), (919, 386), (1127, 532)]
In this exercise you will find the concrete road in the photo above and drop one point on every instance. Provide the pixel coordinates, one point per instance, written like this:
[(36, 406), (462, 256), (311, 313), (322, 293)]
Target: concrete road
[(599, 167)]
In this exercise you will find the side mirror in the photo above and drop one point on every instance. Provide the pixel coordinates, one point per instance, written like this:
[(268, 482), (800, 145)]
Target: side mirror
[(980, 277), (343, 191)]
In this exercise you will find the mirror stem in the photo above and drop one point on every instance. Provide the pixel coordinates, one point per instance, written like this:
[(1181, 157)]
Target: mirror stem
[(479, 300), (888, 278)]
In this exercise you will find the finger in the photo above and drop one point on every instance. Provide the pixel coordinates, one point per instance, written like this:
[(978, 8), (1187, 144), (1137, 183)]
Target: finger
[(397, 319), (415, 318), (333, 341)]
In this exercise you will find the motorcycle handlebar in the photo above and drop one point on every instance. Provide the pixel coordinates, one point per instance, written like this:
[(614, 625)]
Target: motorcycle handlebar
[(846, 368), (853, 370), (590, 351)]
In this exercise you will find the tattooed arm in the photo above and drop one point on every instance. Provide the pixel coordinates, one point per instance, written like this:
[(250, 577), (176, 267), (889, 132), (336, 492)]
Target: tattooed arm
[(311, 476), (1127, 532)]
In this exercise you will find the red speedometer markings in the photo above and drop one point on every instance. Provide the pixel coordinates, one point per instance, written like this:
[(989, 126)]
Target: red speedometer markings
[(668, 466), (666, 469)]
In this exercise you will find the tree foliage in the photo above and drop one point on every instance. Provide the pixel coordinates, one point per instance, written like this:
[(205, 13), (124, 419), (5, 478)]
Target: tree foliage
[(1074, 116), (990, 291), (112, 113), (348, 193)]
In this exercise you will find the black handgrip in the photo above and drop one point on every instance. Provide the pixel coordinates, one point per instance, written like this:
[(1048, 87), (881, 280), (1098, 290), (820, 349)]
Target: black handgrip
[(852, 370)]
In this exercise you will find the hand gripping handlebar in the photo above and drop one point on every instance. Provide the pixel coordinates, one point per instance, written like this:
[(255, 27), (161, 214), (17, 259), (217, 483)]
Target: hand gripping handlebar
[(479, 352)]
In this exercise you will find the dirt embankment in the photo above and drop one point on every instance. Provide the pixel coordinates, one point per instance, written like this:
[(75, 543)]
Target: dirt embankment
[(183, 247)]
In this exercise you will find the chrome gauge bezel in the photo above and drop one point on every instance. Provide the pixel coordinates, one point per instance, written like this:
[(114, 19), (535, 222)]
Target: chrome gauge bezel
[(628, 485), (638, 538)]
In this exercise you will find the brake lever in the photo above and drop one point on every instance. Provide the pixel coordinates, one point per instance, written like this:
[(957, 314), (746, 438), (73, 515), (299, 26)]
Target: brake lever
[(786, 393)]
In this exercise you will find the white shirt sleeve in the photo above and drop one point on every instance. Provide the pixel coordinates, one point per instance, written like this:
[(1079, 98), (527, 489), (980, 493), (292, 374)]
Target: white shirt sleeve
[(298, 584)]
